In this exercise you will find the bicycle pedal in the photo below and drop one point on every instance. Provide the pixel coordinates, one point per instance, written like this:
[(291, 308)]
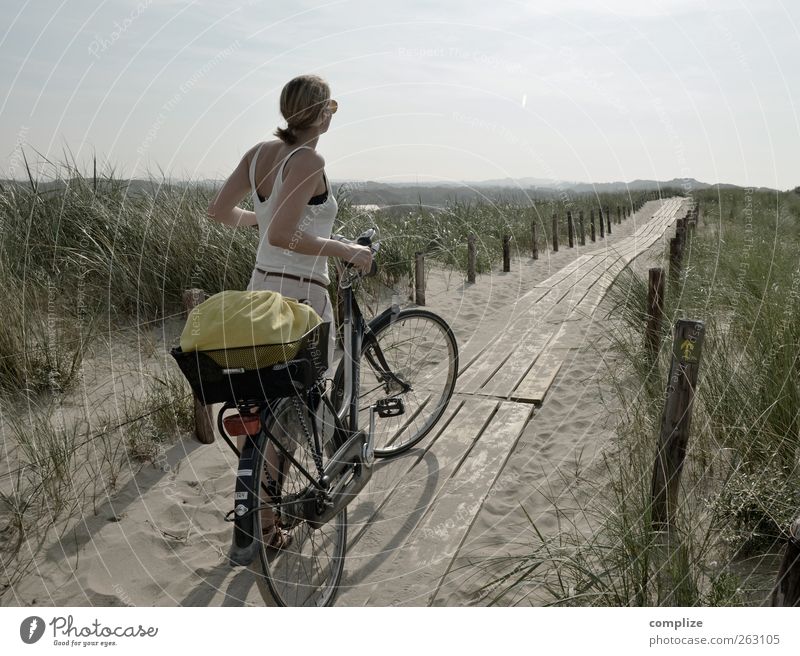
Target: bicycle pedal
[(391, 407)]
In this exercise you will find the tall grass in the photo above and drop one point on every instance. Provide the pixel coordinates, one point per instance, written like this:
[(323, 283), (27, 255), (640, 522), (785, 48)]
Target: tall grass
[(135, 252), (90, 249), (44, 337)]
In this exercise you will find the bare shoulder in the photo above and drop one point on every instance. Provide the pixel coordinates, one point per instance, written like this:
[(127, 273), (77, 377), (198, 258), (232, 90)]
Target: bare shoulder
[(310, 157), (267, 148), (305, 162)]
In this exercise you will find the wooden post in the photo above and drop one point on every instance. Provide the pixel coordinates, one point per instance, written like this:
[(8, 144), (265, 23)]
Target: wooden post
[(655, 309), (570, 230), (787, 588), (686, 349), (608, 221), (674, 258), (471, 258), (619, 214), (602, 223), (581, 232), (506, 253), (555, 233), (203, 421), (419, 278), (591, 223), (680, 231), (535, 244)]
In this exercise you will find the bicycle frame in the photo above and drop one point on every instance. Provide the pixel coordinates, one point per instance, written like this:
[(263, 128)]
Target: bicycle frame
[(356, 331), (352, 336)]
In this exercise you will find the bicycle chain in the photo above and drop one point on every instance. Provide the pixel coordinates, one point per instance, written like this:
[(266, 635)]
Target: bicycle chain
[(314, 454), (318, 386)]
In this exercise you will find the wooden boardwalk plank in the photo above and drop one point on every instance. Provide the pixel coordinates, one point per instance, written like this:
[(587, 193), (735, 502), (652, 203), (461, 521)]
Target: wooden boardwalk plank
[(571, 269), (524, 355), (425, 556), (529, 318), (388, 473), (392, 512), (534, 386), (482, 340)]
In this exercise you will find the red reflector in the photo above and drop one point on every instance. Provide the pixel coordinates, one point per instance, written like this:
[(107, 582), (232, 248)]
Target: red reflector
[(237, 425)]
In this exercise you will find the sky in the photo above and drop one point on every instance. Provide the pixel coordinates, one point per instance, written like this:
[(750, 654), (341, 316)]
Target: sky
[(462, 90)]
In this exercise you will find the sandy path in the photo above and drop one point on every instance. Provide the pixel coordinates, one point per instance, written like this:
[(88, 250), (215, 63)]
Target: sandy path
[(162, 541)]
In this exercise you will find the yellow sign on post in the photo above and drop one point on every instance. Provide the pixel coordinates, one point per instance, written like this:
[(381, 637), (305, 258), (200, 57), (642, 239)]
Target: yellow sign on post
[(687, 348)]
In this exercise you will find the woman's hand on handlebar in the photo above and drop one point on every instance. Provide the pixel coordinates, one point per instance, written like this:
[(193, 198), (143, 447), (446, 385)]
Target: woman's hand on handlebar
[(360, 257)]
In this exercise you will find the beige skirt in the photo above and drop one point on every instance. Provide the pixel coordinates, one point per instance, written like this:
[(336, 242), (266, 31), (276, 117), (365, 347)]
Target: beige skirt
[(314, 295)]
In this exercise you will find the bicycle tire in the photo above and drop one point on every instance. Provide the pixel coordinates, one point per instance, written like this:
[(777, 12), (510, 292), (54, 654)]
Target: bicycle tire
[(280, 581), (396, 435)]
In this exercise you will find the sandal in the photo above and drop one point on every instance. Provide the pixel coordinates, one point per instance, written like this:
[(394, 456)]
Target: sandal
[(275, 536)]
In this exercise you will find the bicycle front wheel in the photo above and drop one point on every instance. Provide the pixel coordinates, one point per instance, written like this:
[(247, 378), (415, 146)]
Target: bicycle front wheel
[(421, 352), (305, 571)]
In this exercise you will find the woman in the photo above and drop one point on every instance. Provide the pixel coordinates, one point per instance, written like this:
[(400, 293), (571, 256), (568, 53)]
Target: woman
[(294, 210), (294, 205)]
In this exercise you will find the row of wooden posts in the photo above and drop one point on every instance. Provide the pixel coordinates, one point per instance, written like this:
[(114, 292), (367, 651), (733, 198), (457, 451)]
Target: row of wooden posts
[(573, 230), (676, 417), (655, 284)]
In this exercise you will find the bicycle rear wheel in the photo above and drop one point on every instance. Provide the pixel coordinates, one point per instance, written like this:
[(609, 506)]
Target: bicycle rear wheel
[(307, 571), (422, 357)]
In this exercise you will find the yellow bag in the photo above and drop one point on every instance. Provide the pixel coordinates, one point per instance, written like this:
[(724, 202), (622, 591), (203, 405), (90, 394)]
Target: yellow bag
[(236, 319)]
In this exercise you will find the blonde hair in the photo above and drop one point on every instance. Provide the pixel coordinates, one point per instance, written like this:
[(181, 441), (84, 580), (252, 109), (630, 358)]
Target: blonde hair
[(302, 101)]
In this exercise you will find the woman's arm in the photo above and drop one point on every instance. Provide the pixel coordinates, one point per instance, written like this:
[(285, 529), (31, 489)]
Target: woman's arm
[(301, 175), (224, 207)]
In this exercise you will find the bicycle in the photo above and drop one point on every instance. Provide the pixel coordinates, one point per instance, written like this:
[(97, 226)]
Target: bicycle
[(305, 477)]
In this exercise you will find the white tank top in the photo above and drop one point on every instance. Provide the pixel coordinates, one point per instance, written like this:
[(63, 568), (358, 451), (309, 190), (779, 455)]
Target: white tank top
[(316, 219)]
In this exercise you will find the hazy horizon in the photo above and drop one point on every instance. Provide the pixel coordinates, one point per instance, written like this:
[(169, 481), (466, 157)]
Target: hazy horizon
[(415, 181), (456, 92)]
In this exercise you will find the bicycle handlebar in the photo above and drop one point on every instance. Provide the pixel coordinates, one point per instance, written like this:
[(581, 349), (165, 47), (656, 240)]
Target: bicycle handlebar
[(366, 238)]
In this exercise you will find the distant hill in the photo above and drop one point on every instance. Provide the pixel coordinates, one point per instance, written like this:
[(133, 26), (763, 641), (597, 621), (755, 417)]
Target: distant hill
[(522, 189), (434, 193)]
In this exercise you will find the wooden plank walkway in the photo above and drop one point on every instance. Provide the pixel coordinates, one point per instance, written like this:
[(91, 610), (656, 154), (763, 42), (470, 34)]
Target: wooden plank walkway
[(506, 368), (407, 527)]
